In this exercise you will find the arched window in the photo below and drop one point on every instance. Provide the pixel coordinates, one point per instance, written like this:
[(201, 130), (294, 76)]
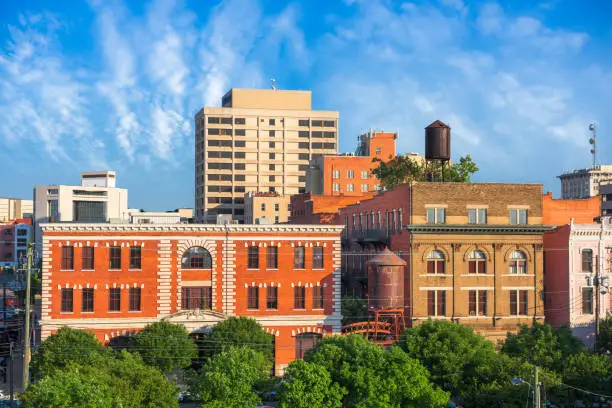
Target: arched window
[(305, 342), (196, 258), (477, 261), (518, 262), (435, 262)]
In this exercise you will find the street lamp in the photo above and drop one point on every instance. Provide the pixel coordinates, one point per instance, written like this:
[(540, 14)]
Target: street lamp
[(519, 381)]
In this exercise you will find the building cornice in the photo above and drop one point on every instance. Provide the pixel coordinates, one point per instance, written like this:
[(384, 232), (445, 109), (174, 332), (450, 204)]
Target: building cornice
[(190, 228), (477, 229)]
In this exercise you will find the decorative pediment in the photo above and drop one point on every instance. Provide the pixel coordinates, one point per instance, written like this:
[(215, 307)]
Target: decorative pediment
[(198, 315)]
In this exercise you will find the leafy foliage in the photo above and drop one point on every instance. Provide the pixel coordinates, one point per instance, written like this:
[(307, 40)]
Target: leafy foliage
[(604, 343), (64, 347), (110, 380), (540, 345), (402, 169), (237, 332), (308, 385), (591, 371), (374, 377), (455, 356), (353, 310), (166, 346), (230, 378)]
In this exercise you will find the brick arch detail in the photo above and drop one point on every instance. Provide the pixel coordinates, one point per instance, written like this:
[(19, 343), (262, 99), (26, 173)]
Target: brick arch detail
[(273, 332), (108, 336), (471, 248), (183, 245), (308, 329), (511, 248), (430, 248)]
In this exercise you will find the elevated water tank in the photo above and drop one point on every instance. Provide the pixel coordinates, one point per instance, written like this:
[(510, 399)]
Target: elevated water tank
[(386, 281), (437, 141)]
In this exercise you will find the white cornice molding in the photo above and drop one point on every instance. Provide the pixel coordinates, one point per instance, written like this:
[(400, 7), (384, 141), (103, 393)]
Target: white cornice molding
[(191, 228)]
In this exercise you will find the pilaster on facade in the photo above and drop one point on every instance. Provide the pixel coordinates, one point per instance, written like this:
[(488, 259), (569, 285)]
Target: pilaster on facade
[(228, 283), (46, 279), (164, 277), (336, 284)]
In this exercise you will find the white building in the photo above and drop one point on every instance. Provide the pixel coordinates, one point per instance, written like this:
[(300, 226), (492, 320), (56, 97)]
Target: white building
[(12, 209), (95, 200), (149, 217), (584, 183)]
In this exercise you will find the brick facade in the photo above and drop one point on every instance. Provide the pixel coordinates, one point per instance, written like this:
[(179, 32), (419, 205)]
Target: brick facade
[(478, 293), (161, 278), (561, 212)]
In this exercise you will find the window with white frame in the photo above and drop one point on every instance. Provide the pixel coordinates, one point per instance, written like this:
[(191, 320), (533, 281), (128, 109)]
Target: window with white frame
[(350, 187), (436, 215), (336, 174), (518, 216), (350, 174), (364, 174), (364, 188), (519, 303), (436, 303), (336, 187), (477, 215), (477, 262), (587, 260), (436, 262), (587, 300), (477, 302), (518, 262)]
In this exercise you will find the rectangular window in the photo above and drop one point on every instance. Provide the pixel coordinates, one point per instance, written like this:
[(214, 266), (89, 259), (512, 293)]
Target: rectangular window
[(114, 300), (587, 300), (364, 188), (519, 303), (87, 304), (272, 178), (436, 215), (253, 256), (253, 297), (114, 259), (272, 122), (477, 216), (135, 257), (303, 145), (350, 187), (87, 258), (272, 297), (336, 187), (518, 216), (67, 258), (303, 122), (134, 298), (272, 257), (271, 145), (350, 174), (364, 174), (299, 258), (276, 207), (317, 297), (436, 303), (67, 300), (587, 260), (303, 156), (272, 133), (317, 123), (240, 121), (303, 133), (317, 257), (194, 298), (226, 121), (299, 297), (89, 211), (478, 302), (336, 174)]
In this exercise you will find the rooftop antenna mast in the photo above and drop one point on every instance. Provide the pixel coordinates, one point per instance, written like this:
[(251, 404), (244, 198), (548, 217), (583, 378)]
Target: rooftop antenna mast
[(593, 141), (273, 81)]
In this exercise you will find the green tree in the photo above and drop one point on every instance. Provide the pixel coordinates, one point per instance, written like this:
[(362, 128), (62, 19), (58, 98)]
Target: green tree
[(231, 378), (604, 343), (308, 385), (402, 169), (542, 345), (166, 346), (374, 377), (64, 347), (590, 371), (353, 310), (111, 380), (237, 331), (456, 357)]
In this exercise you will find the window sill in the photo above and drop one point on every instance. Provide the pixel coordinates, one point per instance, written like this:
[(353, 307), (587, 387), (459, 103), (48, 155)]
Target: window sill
[(92, 312), (114, 311), (88, 270), (252, 310), (114, 270), (272, 269), (442, 275), (299, 269), (66, 270), (318, 269), (299, 308), (253, 269), (66, 313), (318, 308), (275, 309), (477, 274), (134, 311), (135, 269), (524, 275)]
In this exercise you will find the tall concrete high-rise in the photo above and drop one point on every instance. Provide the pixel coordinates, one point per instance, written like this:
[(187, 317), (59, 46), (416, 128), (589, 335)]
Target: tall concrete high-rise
[(259, 140)]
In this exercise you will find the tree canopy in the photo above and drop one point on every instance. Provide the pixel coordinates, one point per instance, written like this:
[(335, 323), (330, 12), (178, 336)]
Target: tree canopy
[(374, 377), (64, 347), (230, 378), (166, 346), (402, 169), (237, 331), (308, 385), (353, 310)]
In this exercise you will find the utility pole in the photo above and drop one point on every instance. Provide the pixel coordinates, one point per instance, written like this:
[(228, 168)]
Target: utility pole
[(536, 397), (11, 376), (4, 304), (26, 348), (596, 301)]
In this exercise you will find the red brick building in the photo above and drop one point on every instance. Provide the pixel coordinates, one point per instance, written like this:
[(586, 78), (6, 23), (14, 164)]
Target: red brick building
[(561, 212), (311, 208), (114, 279)]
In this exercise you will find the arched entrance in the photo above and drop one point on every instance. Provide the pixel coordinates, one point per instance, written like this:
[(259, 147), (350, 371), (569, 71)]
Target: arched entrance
[(305, 342)]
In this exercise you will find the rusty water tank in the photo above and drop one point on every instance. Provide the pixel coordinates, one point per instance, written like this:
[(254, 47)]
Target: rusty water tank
[(386, 281), (437, 141)]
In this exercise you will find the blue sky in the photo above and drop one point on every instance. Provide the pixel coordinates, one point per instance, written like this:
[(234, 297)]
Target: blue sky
[(115, 84)]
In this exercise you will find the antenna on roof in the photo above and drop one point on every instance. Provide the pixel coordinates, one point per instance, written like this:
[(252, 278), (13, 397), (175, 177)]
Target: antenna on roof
[(593, 141), (273, 81)]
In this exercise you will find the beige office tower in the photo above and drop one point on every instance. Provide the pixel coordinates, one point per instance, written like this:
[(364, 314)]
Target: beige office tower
[(260, 140)]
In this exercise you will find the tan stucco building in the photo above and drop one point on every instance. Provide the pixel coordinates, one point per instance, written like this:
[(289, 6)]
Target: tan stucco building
[(259, 140), (266, 208)]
